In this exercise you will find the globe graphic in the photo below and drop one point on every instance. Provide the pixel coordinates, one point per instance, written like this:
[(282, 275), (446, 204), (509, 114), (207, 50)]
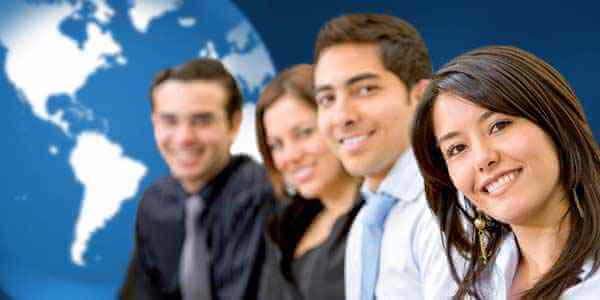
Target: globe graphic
[(78, 148)]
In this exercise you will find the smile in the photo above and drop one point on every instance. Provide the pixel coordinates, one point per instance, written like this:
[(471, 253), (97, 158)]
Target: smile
[(353, 143), (303, 174), (498, 185)]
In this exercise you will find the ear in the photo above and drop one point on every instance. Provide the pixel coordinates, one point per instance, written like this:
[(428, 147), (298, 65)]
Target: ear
[(417, 91)]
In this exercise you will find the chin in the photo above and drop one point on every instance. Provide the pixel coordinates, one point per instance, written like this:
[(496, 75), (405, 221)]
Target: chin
[(308, 192), (354, 167)]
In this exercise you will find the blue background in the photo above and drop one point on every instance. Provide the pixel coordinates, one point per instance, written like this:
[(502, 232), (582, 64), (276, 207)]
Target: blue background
[(41, 200), (565, 34)]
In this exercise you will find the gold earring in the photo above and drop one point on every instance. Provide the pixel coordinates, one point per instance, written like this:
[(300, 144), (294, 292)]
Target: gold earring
[(481, 223), (577, 203)]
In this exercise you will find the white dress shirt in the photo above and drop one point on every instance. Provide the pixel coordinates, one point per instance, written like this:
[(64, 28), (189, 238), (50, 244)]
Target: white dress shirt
[(506, 262), (413, 263)]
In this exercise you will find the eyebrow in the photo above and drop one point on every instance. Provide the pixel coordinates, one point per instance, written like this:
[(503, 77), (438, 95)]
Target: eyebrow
[(207, 114), (484, 116), (352, 80)]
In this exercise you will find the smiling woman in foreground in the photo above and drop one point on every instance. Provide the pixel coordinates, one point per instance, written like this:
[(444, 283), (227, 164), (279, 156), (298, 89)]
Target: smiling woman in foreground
[(512, 172)]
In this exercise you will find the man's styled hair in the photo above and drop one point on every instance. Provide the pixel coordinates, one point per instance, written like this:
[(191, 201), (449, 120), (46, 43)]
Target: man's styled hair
[(401, 48), (203, 69)]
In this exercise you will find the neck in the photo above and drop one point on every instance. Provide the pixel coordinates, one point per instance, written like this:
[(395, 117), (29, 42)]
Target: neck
[(195, 184), (339, 199), (192, 186), (541, 245), (373, 181)]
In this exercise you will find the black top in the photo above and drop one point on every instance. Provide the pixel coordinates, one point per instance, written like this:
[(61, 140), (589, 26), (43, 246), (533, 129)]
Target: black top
[(318, 273), (238, 202)]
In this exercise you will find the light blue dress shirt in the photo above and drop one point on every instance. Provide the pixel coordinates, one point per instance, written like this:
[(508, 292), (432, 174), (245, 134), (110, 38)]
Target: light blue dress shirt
[(412, 261)]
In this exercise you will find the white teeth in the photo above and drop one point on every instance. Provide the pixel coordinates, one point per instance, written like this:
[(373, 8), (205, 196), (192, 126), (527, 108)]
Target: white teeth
[(302, 172), (353, 141), (498, 184)]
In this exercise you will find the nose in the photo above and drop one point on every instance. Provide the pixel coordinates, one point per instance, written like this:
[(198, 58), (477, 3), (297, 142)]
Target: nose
[(486, 157), (184, 134)]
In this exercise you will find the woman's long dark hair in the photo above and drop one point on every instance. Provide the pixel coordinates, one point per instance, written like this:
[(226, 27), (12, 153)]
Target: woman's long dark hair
[(514, 82)]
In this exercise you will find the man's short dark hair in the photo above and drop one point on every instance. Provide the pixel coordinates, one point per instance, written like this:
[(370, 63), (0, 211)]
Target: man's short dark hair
[(203, 69), (401, 48)]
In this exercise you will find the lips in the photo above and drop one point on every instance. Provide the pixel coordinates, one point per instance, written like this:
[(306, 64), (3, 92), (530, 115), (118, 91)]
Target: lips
[(302, 174), (354, 142), (187, 156), (501, 182)]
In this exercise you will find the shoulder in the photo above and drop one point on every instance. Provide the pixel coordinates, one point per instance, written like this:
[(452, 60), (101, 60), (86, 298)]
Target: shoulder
[(162, 194), (248, 179), (589, 287), (248, 172), (415, 229), (413, 214), (161, 187)]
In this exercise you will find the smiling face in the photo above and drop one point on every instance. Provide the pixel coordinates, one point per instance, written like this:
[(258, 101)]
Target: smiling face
[(507, 166), (298, 150), (191, 129), (364, 110)]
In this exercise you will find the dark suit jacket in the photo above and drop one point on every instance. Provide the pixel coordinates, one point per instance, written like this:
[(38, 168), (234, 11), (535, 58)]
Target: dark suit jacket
[(239, 201)]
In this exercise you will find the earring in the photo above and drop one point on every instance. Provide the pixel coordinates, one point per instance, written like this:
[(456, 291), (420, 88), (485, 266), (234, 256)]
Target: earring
[(480, 224), (290, 190), (577, 203)]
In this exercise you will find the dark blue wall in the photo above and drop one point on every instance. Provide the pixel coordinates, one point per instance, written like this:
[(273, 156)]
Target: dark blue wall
[(564, 33)]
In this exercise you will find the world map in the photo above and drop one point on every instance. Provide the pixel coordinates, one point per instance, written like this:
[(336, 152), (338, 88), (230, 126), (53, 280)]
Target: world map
[(79, 149)]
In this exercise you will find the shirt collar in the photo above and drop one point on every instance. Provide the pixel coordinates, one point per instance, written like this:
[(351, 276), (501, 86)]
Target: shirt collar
[(586, 269), (404, 181), (507, 260)]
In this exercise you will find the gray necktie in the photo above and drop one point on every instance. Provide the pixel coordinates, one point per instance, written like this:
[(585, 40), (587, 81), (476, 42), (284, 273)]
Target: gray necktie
[(194, 268)]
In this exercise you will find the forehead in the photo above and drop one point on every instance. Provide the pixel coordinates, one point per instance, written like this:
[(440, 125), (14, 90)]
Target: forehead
[(189, 96), (340, 62), (287, 113), (453, 113)]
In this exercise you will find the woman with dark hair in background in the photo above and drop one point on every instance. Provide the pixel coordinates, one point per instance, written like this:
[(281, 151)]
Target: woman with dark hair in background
[(512, 172), (306, 241)]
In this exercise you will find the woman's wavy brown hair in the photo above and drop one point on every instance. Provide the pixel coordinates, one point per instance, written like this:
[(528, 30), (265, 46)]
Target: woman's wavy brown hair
[(514, 82), (296, 81)]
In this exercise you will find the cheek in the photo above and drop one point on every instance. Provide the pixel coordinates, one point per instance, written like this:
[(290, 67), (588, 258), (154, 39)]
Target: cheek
[(317, 145), (161, 135), (277, 160), (323, 121), (212, 136), (461, 177)]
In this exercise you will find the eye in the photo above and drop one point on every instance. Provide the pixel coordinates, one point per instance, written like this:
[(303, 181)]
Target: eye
[(325, 99), (202, 119), (499, 125), (168, 120), (455, 150), (306, 131), (367, 90), (274, 146)]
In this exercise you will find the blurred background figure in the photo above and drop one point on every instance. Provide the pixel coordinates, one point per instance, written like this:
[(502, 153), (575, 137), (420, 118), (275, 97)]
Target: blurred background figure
[(199, 231), (306, 240), (506, 149)]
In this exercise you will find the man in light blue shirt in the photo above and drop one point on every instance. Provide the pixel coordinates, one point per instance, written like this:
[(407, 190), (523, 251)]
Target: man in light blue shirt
[(370, 72)]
